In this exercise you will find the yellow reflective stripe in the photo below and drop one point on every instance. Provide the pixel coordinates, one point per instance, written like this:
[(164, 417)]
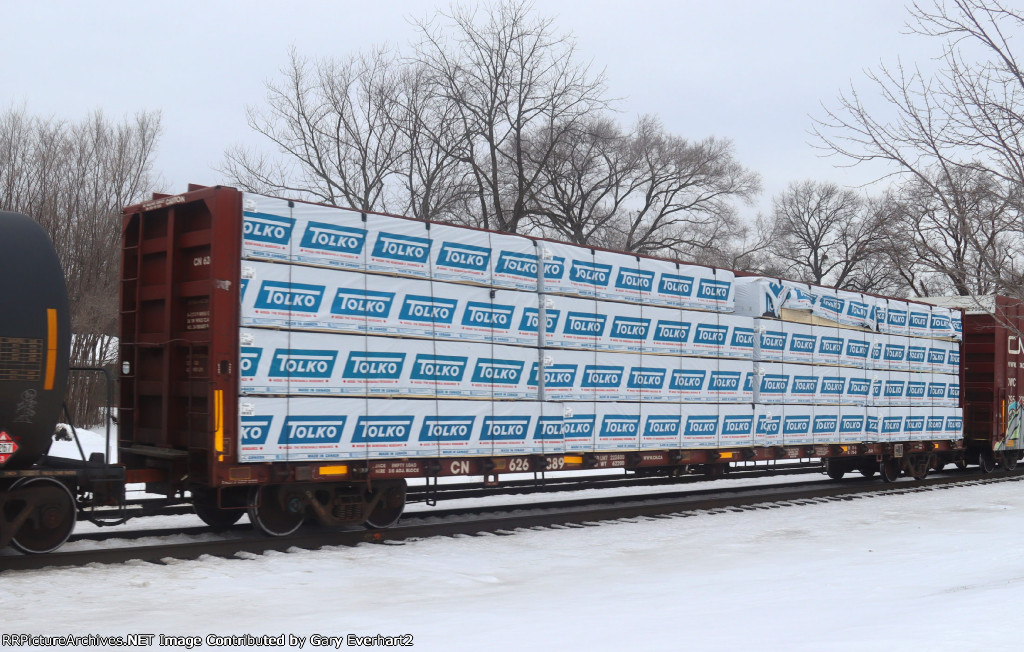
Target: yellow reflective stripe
[(51, 348), (218, 420)]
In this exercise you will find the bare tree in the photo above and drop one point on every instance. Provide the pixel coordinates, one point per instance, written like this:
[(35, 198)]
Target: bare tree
[(333, 121), (646, 191), (824, 234), (74, 178), (953, 140), (960, 239), (512, 80)]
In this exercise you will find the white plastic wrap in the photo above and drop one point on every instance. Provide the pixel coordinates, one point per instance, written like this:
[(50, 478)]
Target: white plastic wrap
[(618, 426), (768, 425), (514, 263), (852, 420), (660, 425), (267, 228), (918, 320), (584, 276), (758, 296), (736, 427), (461, 255), (825, 426), (579, 426), (329, 237), (626, 280), (700, 425), (797, 421), (398, 246)]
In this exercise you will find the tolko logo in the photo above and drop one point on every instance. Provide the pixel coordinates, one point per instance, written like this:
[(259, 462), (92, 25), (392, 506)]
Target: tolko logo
[(524, 266), (805, 385), (630, 328), (897, 318), (362, 303), (506, 429), (382, 429), (447, 429), (916, 355), (620, 425), (312, 429), (486, 315), (586, 273), (859, 387), (634, 280), (431, 310), (831, 305), (401, 248), (602, 376), (774, 384), (940, 322), (851, 423), (374, 366), (499, 372), (556, 376), (333, 238), (548, 429), (713, 290), (773, 341), (833, 385), (662, 425), (646, 378), (701, 425), (825, 424), (830, 346), (936, 391), (737, 424), (268, 229), (724, 381), (303, 363), (255, 430), (857, 349), (919, 321), (448, 368), (796, 424), (710, 335), (857, 310), (579, 426), (464, 257), (671, 332), (768, 425), (688, 380), (277, 295), (916, 389), (803, 344), (531, 317), (895, 353), (675, 285), (934, 424), (249, 360), (894, 388), (892, 425), (743, 338), (938, 356), (582, 324)]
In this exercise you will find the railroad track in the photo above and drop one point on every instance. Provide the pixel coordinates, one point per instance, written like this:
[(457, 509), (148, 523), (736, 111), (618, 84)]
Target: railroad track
[(144, 507), (504, 519)]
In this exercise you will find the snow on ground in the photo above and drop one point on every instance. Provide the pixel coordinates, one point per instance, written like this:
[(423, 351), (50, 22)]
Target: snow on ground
[(937, 570)]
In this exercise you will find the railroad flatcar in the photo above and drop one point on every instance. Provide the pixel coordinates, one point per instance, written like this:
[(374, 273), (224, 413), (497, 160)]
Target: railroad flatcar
[(292, 361)]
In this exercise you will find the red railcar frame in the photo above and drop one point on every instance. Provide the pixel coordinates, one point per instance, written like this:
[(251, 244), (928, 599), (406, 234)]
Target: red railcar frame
[(179, 338)]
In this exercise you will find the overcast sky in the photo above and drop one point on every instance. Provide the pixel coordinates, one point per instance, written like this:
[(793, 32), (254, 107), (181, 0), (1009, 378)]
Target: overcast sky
[(750, 70)]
